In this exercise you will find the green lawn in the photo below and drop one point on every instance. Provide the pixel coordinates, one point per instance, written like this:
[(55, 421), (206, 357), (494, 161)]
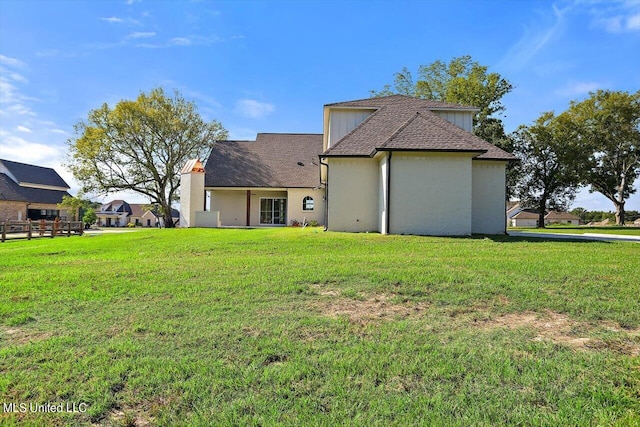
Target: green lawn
[(628, 231), (301, 327)]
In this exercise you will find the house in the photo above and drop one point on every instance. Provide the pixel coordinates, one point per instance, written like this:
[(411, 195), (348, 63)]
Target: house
[(119, 213), (272, 181), (561, 218), (394, 165), (30, 192), (525, 218)]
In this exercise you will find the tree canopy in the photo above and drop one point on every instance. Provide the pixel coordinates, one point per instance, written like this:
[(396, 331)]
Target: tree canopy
[(141, 146), (549, 176), (607, 127), (461, 81)]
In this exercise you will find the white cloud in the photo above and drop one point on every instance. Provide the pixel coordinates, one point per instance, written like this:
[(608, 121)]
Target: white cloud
[(12, 62), (535, 38), (572, 89), (180, 41), (21, 150), (614, 16), (253, 109), (141, 35), (113, 20), (18, 78), (24, 129)]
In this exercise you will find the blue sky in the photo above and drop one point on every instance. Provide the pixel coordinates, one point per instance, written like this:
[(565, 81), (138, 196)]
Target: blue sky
[(260, 66)]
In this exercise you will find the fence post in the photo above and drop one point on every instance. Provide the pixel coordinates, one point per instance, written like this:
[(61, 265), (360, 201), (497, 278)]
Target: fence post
[(81, 229), (54, 227), (4, 231), (43, 227), (69, 229), (29, 229)]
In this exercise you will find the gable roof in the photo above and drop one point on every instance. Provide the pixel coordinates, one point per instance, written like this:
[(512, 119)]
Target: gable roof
[(406, 123), (285, 160), (11, 191), (115, 206), (526, 214), (561, 215), (26, 174)]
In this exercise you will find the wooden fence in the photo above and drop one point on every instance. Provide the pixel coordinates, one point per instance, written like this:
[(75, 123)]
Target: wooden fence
[(39, 228)]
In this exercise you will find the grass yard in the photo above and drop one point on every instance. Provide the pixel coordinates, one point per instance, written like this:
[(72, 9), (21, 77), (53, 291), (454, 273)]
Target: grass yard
[(300, 327), (564, 229)]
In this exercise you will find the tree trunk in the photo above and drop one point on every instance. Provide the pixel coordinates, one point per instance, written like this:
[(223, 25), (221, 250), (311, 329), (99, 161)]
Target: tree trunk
[(541, 209), (619, 213), (166, 215)]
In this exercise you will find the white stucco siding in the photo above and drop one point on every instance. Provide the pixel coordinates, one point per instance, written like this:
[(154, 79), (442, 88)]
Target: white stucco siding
[(488, 205), (462, 119), (430, 194), (191, 197), (524, 222), (343, 121), (353, 194), (295, 210)]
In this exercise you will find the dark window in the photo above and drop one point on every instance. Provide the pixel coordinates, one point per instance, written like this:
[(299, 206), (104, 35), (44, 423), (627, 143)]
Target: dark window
[(307, 203)]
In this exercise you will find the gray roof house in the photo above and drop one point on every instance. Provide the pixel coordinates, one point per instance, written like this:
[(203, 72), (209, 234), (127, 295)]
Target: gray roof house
[(395, 164), (30, 191)]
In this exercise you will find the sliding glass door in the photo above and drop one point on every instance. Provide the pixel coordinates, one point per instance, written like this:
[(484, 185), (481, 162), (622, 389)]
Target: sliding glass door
[(273, 211)]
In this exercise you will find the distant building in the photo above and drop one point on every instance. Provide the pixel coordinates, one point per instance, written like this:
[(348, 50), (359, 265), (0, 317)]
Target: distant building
[(119, 213), (30, 192), (561, 218)]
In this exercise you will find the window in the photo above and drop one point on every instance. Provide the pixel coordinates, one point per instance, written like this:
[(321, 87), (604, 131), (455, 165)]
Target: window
[(273, 211), (307, 203)]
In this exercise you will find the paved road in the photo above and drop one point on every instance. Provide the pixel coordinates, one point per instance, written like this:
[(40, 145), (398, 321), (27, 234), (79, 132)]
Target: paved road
[(585, 236)]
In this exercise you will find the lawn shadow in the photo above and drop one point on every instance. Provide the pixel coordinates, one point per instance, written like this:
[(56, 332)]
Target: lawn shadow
[(505, 238)]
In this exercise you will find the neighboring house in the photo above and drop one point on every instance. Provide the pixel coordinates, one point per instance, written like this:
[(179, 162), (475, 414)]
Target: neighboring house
[(119, 213), (525, 218), (513, 209), (561, 218), (153, 218), (116, 213), (30, 192), (395, 165)]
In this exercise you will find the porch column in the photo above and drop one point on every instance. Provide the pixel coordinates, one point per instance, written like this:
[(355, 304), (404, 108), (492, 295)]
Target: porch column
[(248, 208)]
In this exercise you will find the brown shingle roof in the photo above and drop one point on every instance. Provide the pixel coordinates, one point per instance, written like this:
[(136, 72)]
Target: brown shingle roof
[(405, 123), (561, 215), (527, 215), (272, 160)]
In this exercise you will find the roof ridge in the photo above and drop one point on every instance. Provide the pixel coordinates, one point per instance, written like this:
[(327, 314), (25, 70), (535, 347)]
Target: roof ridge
[(400, 129), (27, 164)]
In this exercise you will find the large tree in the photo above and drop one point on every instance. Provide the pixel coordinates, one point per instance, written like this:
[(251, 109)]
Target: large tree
[(467, 82), (607, 126), (549, 165), (461, 81), (141, 146)]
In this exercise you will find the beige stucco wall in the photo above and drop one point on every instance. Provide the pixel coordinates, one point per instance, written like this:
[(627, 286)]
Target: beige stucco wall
[(12, 211), (430, 194), (294, 205), (353, 194), (232, 206), (488, 203)]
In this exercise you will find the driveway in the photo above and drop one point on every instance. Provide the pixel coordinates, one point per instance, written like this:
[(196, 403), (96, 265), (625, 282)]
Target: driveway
[(585, 236)]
